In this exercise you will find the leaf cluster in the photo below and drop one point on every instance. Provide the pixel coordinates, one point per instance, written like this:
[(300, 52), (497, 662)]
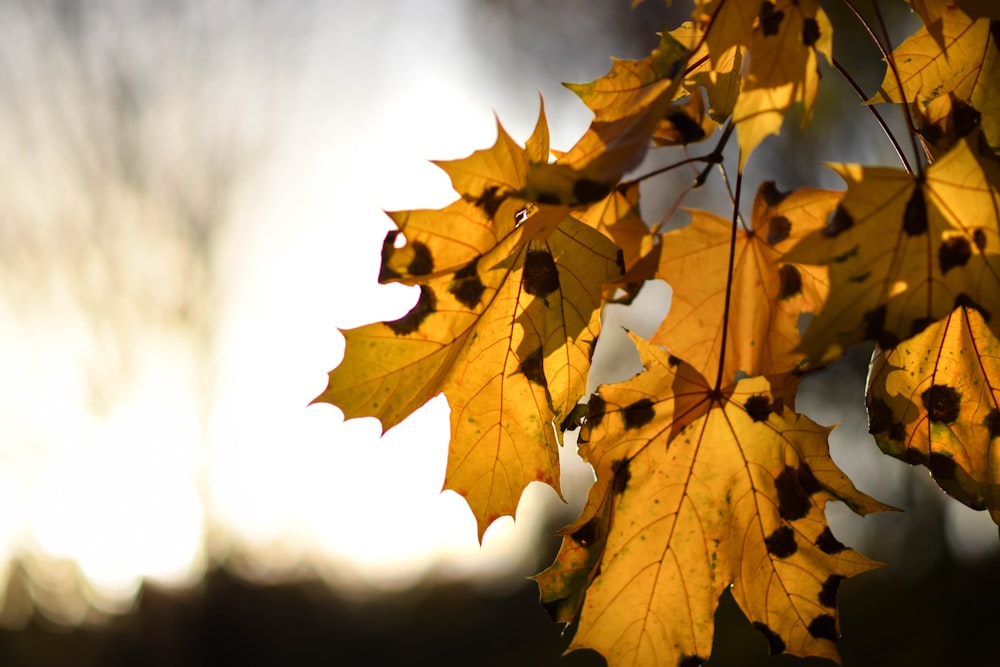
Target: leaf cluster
[(706, 477)]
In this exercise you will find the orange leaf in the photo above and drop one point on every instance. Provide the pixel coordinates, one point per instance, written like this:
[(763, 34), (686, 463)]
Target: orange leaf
[(768, 295), (935, 400), (698, 491)]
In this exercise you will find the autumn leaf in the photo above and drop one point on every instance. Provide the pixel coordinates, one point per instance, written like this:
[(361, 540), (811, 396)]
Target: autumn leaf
[(718, 73), (697, 491), (504, 325), (628, 104), (905, 250), (768, 295), (783, 40), (935, 400), (963, 62)]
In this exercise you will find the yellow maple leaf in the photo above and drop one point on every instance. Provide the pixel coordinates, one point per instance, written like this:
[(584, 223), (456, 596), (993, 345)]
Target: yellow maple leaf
[(697, 491), (784, 69), (719, 73), (768, 295), (905, 250), (963, 62), (628, 104), (504, 325), (935, 400)]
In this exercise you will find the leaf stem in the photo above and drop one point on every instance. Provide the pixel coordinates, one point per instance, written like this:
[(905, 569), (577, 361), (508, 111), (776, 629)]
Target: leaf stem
[(729, 282), (875, 112), (899, 82)]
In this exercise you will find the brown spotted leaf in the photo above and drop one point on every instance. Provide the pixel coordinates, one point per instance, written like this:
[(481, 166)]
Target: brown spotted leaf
[(905, 250), (504, 325), (628, 104), (768, 295), (935, 401), (963, 62), (698, 491)]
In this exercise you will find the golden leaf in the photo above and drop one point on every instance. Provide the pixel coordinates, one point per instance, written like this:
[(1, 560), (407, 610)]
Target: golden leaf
[(935, 400), (768, 295), (905, 250), (700, 490)]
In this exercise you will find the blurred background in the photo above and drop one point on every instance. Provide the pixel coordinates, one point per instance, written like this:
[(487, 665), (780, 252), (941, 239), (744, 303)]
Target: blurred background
[(192, 197)]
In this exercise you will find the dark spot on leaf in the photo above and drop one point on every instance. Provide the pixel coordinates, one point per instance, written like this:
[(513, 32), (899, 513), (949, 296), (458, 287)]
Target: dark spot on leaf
[(410, 322), (979, 238), (689, 130), (823, 627), (778, 230), (810, 31), (828, 594), (540, 276), (422, 262), (770, 20), (992, 423), (548, 198), (587, 533), (875, 329), (758, 407), (673, 361), (775, 644), (967, 301), (955, 251), (385, 274), (995, 33), (915, 214), (533, 367), (829, 544), (838, 223), (771, 194), (932, 133), (808, 480), (942, 403), (466, 286), (622, 475), (690, 661), (587, 191), (638, 414), (781, 543), (490, 200), (596, 409), (591, 348), (844, 256), (620, 261), (861, 277), (793, 499), (790, 280), (914, 456)]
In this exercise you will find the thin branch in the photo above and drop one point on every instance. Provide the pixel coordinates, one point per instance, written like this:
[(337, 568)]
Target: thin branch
[(871, 33), (729, 283), (875, 112), (732, 199), (899, 82)]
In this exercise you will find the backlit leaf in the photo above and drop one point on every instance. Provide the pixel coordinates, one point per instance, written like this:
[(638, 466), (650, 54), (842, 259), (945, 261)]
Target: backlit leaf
[(904, 251), (935, 401), (963, 63), (698, 491), (768, 295)]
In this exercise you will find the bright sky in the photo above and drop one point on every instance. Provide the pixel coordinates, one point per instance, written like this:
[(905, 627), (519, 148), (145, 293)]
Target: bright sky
[(144, 487)]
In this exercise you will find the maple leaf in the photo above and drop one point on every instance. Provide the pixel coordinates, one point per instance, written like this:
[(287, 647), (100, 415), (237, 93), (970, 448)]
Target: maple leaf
[(717, 73), (768, 294), (697, 491), (504, 325), (905, 250), (962, 62), (783, 39), (935, 400), (628, 104), (617, 217)]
